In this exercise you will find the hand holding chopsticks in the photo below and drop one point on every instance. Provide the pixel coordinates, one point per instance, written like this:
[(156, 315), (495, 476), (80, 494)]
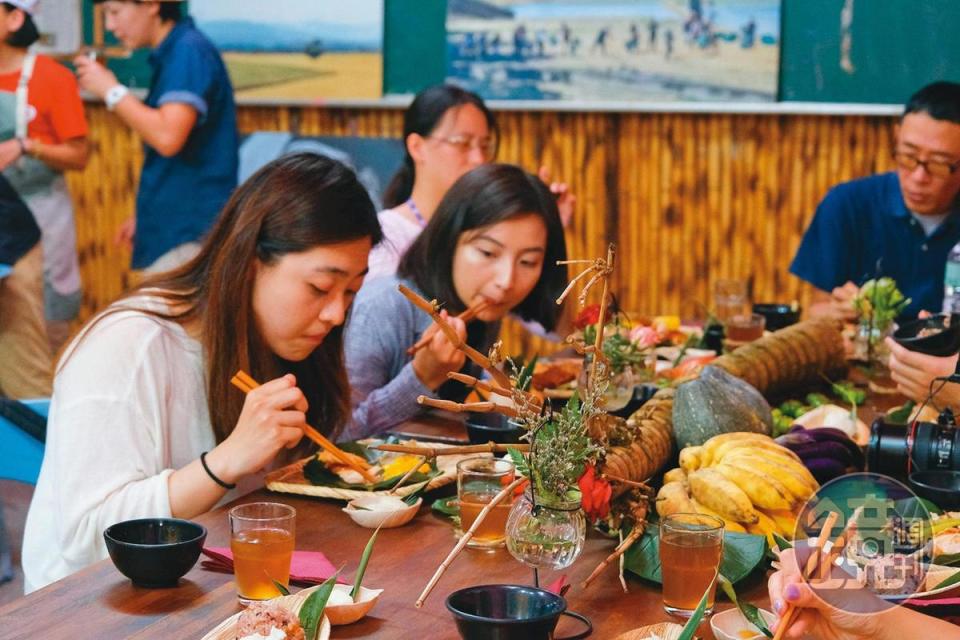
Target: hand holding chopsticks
[(817, 567), (466, 316), (246, 383)]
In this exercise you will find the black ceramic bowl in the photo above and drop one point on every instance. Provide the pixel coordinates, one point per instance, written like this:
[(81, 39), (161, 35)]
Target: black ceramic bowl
[(944, 342), (492, 427), (939, 486), (777, 316), (505, 612), (155, 552)]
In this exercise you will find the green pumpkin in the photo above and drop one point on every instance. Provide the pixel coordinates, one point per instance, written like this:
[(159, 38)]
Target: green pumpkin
[(717, 402)]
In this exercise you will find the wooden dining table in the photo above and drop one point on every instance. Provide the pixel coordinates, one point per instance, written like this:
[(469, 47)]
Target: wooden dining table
[(99, 602)]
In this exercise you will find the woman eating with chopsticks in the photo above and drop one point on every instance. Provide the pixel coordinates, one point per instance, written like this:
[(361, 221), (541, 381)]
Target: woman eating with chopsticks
[(144, 420), (493, 242)]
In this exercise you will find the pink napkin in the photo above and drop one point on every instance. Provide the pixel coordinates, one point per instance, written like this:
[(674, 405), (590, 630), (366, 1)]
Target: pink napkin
[(306, 567), (558, 586)]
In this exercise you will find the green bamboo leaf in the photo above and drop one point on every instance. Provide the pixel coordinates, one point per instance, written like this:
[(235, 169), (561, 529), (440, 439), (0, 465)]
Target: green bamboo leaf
[(949, 582), (280, 587), (525, 377), (364, 559), (750, 612), (311, 613), (782, 543)]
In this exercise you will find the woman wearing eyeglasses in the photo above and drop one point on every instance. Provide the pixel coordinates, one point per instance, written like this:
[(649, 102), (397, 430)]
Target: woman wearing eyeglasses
[(447, 132)]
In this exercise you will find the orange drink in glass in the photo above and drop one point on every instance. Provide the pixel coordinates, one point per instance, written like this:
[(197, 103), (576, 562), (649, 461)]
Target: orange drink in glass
[(262, 538), (478, 481), (691, 546)]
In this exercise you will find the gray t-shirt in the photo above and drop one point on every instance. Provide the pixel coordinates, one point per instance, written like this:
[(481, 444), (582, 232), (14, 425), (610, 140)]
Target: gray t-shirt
[(384, 387)]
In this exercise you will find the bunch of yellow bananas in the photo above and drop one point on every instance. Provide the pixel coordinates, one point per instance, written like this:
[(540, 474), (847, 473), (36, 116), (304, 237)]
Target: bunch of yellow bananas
[(749, 481)]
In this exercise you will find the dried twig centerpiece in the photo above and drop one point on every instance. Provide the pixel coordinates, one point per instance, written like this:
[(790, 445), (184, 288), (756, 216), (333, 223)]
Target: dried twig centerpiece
[(599, 270), (433, 308)]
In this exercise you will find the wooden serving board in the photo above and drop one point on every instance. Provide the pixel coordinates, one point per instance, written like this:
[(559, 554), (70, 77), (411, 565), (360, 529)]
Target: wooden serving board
[(290, 479)]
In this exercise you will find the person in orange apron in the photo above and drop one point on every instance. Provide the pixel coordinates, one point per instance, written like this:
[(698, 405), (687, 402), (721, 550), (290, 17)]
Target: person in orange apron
[(43, 132)]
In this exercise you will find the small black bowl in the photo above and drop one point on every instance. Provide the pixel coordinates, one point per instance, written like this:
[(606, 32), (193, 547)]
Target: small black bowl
[(946, 342), (155, 552), (492, 427), (939, 486), (777, 315), (505, 612)]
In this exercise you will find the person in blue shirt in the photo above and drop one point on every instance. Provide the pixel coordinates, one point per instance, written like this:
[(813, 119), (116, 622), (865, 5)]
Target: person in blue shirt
[(188, 125), (900, 224)]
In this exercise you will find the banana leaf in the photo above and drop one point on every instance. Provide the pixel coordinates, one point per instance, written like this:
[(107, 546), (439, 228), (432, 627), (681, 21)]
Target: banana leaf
[(318, 473), (742, 553)]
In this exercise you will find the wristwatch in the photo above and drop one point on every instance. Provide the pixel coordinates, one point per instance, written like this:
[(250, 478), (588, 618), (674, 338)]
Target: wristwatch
[(114, 95)]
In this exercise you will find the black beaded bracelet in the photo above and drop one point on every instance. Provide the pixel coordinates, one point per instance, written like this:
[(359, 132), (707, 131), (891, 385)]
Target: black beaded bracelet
[(225, 485)]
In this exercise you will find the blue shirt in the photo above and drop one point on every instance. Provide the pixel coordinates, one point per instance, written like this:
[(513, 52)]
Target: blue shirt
[(179, 197), (863, 229)]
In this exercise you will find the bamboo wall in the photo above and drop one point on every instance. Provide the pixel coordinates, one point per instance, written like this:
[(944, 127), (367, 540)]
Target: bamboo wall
[(688, 198)]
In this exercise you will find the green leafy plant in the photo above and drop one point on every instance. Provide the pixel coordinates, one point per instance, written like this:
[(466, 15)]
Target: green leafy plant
[(618, 349), (879, 302), (560, 451)]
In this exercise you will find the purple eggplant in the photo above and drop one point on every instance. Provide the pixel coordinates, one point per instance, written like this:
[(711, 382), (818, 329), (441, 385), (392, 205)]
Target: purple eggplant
[(828, 449), (831, 434), (824, 469)]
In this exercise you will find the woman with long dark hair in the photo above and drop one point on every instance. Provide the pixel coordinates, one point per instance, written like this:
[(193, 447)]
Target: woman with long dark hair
[(144, 421), (447, 131), (496, 236)]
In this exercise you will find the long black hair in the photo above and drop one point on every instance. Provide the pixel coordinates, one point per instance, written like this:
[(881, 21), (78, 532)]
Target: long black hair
[(291, 205), (489, 194), (422, 117), (27, 34)]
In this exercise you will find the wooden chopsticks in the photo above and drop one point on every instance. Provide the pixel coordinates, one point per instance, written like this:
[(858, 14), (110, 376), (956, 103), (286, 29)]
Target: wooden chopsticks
[(243, 381), (466, 316), (816, 563)]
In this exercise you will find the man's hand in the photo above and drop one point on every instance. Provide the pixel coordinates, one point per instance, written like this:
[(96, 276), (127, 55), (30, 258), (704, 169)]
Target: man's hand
[(94, 77)]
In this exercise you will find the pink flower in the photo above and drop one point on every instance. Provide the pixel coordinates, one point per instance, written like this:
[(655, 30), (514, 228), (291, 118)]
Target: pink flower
[(644, 337)]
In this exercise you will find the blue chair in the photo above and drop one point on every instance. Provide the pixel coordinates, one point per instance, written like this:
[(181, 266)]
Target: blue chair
[(22, 452)]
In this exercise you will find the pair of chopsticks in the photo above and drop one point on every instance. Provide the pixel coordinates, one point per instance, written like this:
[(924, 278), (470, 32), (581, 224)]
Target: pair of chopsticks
[(243, 381), (468, 315), (816, 563)]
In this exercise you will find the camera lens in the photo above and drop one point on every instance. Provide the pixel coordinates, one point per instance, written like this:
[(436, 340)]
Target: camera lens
[(934, 446)]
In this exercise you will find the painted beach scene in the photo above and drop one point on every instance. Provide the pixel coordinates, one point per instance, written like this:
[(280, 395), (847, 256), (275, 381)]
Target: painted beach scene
[(298, 49), (609, 50)]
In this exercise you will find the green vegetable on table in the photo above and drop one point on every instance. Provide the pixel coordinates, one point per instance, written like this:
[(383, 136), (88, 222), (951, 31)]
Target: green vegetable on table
[(781, 422), (793, 408), (311, 613), (817, 400), (849, 393)]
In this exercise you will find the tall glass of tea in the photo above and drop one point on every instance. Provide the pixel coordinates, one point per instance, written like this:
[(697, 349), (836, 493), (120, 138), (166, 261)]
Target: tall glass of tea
[(478, 481), (261, 539), (691, 546)]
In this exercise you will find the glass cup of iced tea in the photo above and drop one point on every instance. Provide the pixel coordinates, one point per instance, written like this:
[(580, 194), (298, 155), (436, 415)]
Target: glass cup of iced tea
[(261, 539), (691, 545), (478, 481), (745, 327), (729, 298)]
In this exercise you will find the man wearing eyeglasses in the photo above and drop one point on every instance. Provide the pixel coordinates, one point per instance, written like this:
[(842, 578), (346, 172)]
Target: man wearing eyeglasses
[(900, 224)]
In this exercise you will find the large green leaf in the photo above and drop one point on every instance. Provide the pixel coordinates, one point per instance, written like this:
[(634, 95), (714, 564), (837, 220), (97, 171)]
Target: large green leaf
[(311, 613), (318, 473), (742, 553)]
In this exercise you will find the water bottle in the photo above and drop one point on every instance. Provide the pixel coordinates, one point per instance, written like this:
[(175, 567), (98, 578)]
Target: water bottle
[(951, 281)]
